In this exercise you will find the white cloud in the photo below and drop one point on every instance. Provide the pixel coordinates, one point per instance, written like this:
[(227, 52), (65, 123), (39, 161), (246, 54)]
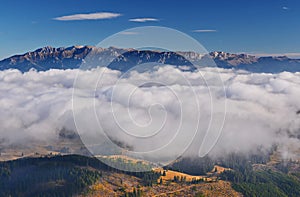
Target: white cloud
[(285, 8), (129, 33), (91, 16), (143, 20), (204, 30), (261, 108)]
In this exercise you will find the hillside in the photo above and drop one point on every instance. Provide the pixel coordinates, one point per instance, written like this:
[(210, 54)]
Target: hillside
[(83, 176), (74, 175)]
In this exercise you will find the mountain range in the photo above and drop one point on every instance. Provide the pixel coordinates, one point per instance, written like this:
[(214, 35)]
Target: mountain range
[(124, 59)]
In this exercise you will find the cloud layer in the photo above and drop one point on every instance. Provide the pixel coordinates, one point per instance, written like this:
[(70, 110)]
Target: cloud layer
[(261, 109), (91, 16)]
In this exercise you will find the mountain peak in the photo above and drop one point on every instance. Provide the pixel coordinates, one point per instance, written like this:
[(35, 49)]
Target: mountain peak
[(226, 55), (233, 59), (45, 49)]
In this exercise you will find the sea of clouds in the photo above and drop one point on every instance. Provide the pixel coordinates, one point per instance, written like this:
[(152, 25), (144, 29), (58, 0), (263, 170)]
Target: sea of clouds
[(164, 111)]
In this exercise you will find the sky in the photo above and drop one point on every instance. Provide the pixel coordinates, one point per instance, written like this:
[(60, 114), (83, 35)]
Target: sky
[(238, 26)]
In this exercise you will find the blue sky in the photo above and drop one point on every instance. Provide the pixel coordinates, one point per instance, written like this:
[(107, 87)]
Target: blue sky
[(256, 26)]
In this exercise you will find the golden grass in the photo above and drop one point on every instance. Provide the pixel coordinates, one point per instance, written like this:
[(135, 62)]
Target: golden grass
[(170, 175)]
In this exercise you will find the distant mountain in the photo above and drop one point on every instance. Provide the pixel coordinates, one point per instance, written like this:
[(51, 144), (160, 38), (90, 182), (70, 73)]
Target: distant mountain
[(256, 64), (47, 58), (123, 59)]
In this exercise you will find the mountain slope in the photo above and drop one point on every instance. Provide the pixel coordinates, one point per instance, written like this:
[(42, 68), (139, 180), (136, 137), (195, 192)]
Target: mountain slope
[(124, 59), (47, 58), (256, 64), (74, 175)]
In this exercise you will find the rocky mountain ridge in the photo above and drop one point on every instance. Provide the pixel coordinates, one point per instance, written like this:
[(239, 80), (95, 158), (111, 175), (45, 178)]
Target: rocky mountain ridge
[(123, 59)]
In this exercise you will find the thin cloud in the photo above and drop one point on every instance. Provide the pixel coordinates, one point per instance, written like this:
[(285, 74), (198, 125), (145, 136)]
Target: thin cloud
[(285, 8), (204, 30), (129, 33), (90, 16), (290, 55), (143, 20)]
